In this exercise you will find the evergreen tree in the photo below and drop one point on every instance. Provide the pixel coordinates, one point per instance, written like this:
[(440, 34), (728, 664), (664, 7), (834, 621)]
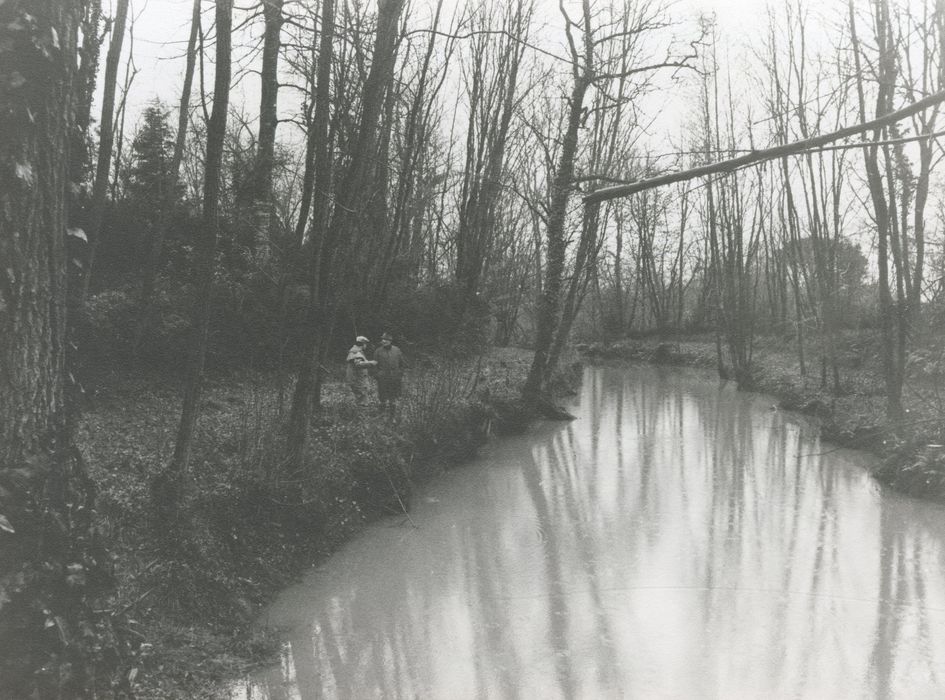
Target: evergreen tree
[(152, 154)]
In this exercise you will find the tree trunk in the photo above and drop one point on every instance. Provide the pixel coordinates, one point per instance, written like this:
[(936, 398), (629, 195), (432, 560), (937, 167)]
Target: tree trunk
[(881, 215), (268, 121), (46, 498), (156, 247), (409, 179), (106, 139), (335, 246), (680, 260), (619, 301), (85, 80), (586, 259), (550, 301), (318, 137), (120, 113), (493, 93), (205, 253)]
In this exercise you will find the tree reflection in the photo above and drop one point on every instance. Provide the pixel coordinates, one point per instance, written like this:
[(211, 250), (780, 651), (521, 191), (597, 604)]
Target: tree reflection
[(680, 539)]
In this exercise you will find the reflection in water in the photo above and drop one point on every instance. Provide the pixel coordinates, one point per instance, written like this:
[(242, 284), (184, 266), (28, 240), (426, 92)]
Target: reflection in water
[(680, 540)]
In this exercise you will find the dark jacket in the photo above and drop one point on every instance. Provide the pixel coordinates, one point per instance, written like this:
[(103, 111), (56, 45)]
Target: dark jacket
[(390, 363)]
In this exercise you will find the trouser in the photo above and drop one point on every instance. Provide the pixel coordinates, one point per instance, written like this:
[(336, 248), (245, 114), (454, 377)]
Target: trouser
[(388, 389), (359, 389)]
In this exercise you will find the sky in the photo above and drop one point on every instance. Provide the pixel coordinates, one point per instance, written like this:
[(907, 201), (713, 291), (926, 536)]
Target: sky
[(159, 31), (161, 28)]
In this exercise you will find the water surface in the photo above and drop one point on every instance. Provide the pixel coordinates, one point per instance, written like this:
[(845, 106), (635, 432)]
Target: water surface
[(678, 540)]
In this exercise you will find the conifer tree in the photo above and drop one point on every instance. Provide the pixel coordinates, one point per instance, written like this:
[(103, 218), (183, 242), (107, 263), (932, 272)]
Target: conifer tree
[(152, 155)]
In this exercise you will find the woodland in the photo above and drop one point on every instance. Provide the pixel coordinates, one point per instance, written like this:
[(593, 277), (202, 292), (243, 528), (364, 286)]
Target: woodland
[(179, 284)]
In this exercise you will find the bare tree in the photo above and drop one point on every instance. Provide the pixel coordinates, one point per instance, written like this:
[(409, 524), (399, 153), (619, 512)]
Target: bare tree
[(415, 145), (491, 78), (733, 217), (320, 145), (893, 188), (268, 121), (583, 74), (106, 138), (588, 68), (204, 261), (814, 189), (156, 244), (131, 72)]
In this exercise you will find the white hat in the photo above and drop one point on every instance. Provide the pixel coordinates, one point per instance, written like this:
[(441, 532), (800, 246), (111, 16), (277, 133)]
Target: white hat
[(361, 339)]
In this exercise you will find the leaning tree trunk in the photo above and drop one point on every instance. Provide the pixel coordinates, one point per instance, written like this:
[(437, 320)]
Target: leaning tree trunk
[(52, 566), (549, 302), (585, 262)]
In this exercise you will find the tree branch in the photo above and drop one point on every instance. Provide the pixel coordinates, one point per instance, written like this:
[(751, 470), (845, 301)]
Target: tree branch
[(758, 156)]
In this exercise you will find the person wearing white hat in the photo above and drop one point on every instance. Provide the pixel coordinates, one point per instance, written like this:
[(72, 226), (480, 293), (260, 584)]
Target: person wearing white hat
[(356, 370)]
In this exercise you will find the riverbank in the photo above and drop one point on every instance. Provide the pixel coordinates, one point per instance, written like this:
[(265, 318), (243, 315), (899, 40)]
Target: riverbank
[(249, 526), (912, 452)]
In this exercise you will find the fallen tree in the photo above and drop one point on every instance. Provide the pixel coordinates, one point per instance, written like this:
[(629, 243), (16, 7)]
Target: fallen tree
[(758, 156)]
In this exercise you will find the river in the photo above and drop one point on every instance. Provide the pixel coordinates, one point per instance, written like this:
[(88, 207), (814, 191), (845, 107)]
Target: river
[(679, 539)]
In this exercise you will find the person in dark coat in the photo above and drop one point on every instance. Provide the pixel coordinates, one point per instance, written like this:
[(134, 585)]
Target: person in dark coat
[(389, 372)]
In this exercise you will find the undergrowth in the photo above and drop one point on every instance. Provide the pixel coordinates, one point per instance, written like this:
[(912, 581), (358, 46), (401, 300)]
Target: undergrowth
[(249, 525)]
